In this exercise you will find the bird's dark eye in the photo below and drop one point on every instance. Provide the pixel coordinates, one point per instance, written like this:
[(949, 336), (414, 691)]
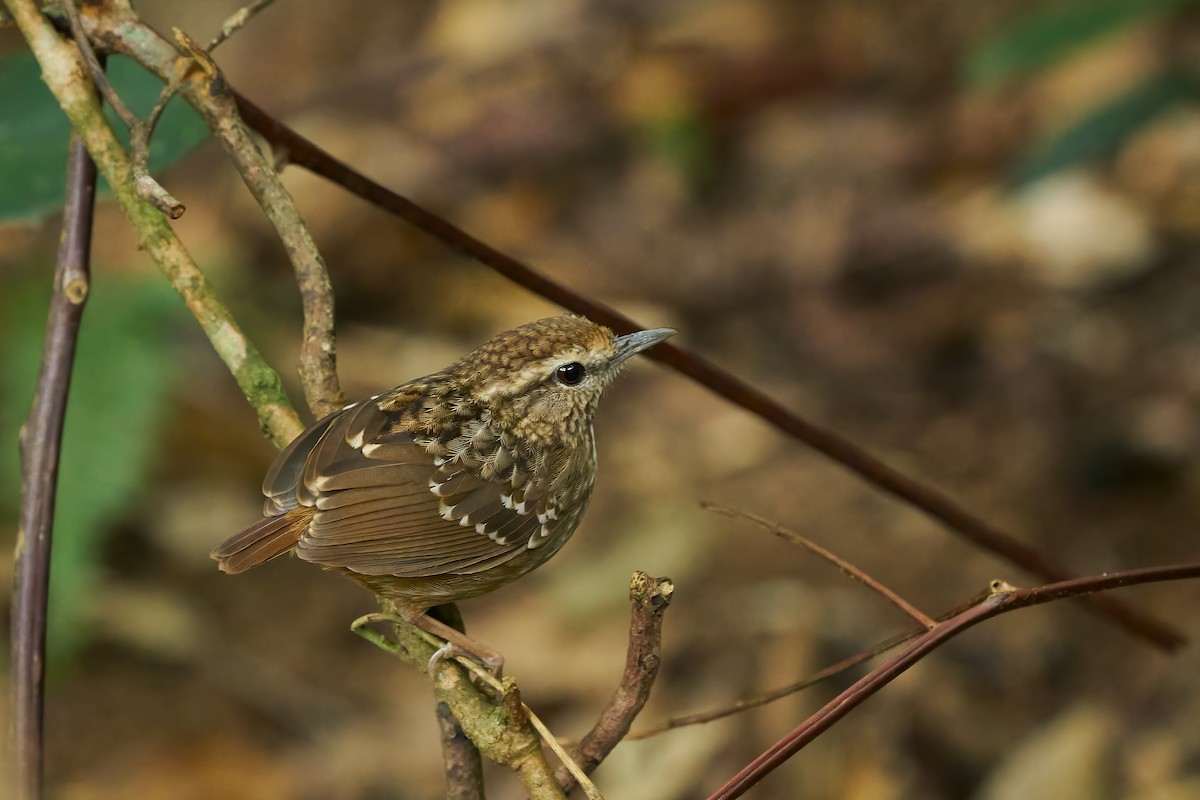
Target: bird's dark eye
[(570, 374)]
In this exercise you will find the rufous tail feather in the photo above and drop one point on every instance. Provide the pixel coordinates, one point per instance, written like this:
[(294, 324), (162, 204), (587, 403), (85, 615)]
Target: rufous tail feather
[(262, 541)]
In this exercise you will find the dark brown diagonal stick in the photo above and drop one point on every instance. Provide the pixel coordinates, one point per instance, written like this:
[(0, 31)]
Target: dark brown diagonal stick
[(304, 153), (41, 442), (1003, 598)]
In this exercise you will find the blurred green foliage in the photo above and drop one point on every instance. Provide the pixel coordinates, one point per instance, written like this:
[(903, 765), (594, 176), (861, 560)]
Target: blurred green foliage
[(1049, 35), (1100, 134), (117, 406), (34, 132), (1055, 32)]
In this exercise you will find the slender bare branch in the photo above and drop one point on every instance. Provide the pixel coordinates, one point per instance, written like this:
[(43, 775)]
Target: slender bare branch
[(234, 22), (650, 598), (766, 698), (139, 133), (918, 494), (41, 443), (848, 569), (781, 692), (1001, 598)]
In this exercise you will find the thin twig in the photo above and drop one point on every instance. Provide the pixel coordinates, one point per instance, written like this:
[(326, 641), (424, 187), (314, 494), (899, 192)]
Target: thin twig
[(208, 93), (63, 72), (766, 698), (891, 643), (1002, 598), (650, 598), (41, 443), (918, 494), (149, 189), (848, 569), (236, 20), (96, 68)]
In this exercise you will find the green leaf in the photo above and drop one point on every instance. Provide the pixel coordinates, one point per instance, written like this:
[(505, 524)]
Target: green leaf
[(1054, 33), (1102, 133), (34, 132), (115, 413)]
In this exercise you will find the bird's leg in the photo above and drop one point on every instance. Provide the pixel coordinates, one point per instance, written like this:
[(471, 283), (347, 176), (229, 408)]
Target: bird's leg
[(459, 644), (455, 643)]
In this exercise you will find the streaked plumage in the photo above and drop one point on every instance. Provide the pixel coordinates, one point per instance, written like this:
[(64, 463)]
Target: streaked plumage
[(451, 485)]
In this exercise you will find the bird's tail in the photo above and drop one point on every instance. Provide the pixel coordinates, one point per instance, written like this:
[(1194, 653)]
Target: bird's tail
[(262, 541)]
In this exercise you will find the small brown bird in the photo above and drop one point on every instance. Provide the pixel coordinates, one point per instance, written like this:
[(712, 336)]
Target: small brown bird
[(451, 485)]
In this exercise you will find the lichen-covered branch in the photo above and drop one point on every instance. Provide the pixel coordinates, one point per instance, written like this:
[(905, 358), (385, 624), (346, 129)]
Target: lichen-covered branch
[(65, 74), (502, 733)]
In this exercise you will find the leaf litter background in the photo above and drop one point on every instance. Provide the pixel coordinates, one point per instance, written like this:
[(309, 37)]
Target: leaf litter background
[(963, 234)]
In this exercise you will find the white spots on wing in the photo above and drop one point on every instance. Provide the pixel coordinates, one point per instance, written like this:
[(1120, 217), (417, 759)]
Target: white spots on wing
[(539, 538), (506, 501), (481, 527), (368, 449), (547, 515), (356, 441), (438, 461), (447, 512), (520, 507), (465, 521)]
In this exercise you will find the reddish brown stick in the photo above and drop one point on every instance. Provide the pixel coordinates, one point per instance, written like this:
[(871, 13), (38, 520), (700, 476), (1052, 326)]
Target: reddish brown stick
[(41, 443), (1002, 599)]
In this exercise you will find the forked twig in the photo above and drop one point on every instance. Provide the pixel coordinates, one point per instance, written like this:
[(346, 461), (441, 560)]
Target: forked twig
[(848, 569), (781, 692), (1002, 598), (148, 189), (41, 444)]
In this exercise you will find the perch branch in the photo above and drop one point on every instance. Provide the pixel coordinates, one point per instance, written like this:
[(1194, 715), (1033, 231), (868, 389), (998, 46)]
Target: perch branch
[(506, 738), (918, 494), (848, 569), (64, 73), (650, 598), (1001, 599), (41, 443)]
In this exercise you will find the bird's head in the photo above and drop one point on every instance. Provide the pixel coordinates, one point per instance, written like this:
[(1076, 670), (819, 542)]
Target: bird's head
[(546, 378)]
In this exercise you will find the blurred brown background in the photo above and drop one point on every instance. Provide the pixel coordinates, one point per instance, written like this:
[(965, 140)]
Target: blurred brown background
[(982, 270)]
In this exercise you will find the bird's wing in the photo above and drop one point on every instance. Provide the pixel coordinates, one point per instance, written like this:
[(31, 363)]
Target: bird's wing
[(384, 505)]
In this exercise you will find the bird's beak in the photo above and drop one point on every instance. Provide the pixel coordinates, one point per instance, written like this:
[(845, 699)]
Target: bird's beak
[(632, 343)]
